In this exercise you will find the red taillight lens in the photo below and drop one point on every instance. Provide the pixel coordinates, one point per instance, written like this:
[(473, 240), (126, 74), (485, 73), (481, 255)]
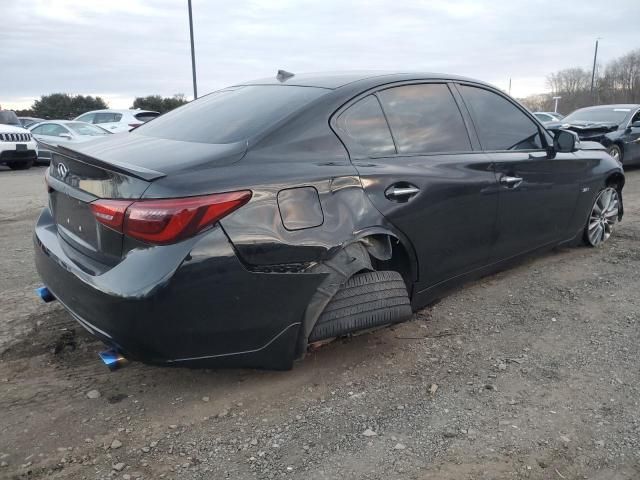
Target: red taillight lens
[(110, 212), (168, 220)]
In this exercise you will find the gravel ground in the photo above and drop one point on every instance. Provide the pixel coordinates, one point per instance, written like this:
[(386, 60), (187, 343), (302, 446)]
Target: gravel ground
[(532, 373)]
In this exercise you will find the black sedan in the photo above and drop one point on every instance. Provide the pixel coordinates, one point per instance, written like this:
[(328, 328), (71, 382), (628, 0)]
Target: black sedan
[(236, 229), (617, 127)]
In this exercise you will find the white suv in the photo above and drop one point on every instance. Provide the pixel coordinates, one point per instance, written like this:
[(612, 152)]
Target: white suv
[(117, 120), (18, 149)]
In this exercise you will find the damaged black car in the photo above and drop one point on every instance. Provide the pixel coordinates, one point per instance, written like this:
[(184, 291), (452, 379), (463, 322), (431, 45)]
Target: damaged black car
[(617, 127), (237, 229)]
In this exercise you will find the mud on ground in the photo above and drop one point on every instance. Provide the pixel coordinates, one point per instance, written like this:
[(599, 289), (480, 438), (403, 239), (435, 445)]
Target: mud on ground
[(532, 373)]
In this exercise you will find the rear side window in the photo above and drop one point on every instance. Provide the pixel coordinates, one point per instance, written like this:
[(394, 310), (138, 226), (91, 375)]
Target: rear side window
[(499, 123), (230, 115), (146, 116), (52, 129), (364, 130), (107, 117), (425, 119)]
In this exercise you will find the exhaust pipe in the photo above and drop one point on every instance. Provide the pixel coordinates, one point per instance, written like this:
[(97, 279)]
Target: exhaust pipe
[(113, 359), (45, 294)]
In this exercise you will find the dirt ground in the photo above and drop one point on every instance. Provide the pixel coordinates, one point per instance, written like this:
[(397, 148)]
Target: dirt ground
[(532, 373)]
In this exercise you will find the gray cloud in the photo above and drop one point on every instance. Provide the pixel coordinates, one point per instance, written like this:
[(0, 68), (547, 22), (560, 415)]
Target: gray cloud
[(123, 49)]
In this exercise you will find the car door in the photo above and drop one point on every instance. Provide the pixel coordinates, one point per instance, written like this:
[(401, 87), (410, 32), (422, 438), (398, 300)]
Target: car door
[(416, 162), (538, 194), (631, 139)]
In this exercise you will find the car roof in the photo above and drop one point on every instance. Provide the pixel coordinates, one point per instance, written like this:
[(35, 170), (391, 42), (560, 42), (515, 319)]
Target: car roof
[(334, 80)]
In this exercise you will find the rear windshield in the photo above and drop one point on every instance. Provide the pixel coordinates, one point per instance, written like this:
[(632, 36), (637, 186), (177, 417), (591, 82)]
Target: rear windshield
[(230, 115), (7, 117), (604, 115)]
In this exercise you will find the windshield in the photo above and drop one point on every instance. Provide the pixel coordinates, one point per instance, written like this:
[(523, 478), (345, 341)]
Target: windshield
[(604, 115), (86, 129), (230, 115), (7, 117)]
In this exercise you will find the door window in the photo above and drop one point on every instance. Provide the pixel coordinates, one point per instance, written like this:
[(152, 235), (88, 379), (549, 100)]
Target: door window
[(364, 130), (52, 130), (87, 117), (107, 117), (425, 119), (499, 123)]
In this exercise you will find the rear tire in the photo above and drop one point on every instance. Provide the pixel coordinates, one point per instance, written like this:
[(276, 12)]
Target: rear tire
[(20, 165), (367, 300), (616, 152)]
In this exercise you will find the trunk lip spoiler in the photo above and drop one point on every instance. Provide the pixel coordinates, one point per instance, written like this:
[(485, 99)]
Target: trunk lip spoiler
[(124, 168)]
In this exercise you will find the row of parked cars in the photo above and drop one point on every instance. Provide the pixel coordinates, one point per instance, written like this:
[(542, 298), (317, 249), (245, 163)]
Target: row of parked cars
[(24, 140), (617, 127)]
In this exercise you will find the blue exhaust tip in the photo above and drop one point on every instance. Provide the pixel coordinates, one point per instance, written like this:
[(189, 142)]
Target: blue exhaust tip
[(45, 294), (112, 359)]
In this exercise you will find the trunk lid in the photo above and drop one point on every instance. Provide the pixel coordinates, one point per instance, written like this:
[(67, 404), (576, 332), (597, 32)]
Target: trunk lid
[(121, 166)]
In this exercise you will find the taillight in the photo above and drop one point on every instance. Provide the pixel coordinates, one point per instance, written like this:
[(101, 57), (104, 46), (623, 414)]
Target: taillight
[(168, 220)]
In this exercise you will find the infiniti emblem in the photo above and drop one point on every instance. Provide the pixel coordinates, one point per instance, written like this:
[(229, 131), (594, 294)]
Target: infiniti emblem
[(62, 169)]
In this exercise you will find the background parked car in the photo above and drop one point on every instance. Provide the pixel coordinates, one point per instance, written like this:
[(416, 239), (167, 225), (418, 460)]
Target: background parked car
[(545, 117), (617, 127), (117, 120), (26, 122), (62, 132), (18, 150)]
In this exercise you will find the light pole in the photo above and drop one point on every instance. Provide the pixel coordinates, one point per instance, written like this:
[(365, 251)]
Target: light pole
[(555, 108), (193, 54), (593, 71)]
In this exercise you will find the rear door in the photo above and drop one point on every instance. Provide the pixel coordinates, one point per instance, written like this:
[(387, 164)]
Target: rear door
[(538, 194), (412, 150)]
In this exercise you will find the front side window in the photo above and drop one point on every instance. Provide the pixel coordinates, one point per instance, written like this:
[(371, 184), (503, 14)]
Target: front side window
[(87, 117), (86, 129), (425, 119), (499, 123), (38, 130), (52, 130), (364, 130)]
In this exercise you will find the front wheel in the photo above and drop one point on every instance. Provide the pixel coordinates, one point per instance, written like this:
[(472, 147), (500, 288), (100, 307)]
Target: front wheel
[(616, 152), (20, 165), (603, 217)]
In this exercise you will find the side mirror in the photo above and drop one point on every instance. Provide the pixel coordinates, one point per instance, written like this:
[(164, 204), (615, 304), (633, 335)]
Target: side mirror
[(65, 135), (565, 141)]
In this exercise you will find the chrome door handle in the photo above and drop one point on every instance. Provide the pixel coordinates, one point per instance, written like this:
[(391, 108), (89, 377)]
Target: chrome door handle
[(401, 193), (511, 182)]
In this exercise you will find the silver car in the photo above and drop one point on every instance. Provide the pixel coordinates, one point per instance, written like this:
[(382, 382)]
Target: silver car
[(62, 132)]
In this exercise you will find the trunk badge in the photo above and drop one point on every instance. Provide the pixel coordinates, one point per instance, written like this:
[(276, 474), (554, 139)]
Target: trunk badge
[(62, 170)]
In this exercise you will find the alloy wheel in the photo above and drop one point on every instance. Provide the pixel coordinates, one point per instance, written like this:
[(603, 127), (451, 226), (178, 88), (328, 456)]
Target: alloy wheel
[(604, 216)]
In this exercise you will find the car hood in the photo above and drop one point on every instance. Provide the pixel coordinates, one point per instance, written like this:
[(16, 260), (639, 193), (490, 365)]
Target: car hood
[(583, 126), (12, 129), (157, 154)]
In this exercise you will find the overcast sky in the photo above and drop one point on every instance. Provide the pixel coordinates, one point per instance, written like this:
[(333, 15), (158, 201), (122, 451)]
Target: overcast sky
[(120, 49)]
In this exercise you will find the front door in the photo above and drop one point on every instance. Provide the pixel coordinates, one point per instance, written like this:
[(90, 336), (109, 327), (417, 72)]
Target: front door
[(412, 150), (538, 194)]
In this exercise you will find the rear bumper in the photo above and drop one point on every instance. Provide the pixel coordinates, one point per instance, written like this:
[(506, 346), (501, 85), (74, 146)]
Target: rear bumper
[(193, 303)]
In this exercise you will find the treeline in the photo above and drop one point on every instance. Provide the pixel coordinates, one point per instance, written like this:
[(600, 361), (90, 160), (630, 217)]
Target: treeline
[(63, 106), (617, 82)]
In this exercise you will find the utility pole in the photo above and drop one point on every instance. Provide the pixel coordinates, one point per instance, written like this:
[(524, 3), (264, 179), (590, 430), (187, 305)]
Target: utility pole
[(509, 85), (555, 108), (593, 72), (193, 54)]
